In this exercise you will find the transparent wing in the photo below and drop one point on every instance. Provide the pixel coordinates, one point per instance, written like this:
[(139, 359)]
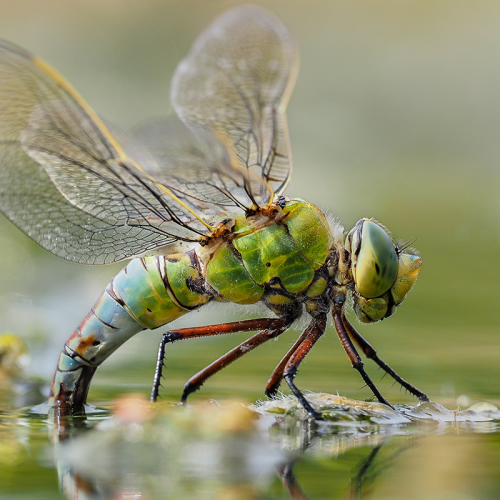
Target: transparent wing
[(66, 182), (198, 163), (237, 79)]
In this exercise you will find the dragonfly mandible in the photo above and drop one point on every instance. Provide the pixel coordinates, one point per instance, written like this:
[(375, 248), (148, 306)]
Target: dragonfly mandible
[(198, 204)]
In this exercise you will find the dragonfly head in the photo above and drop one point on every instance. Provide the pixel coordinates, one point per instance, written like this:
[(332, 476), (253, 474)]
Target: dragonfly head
[(383, 272)]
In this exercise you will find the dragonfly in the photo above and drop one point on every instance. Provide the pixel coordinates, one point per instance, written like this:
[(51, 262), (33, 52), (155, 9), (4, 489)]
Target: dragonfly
[(196, 205)]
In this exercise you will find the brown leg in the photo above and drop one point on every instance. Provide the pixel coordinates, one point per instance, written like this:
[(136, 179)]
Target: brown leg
[(354, 356), (277, 376), (204, 331), (314, 331), (195, 382), (370, 353)]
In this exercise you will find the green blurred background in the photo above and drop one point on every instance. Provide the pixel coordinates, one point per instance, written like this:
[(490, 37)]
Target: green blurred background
[(396, 115)]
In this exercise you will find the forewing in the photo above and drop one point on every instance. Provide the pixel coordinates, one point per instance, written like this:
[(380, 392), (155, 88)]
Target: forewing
[(236, 81), (66, 182)]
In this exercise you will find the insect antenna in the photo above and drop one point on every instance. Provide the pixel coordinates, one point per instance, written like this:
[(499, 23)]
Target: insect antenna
[(401, 247)]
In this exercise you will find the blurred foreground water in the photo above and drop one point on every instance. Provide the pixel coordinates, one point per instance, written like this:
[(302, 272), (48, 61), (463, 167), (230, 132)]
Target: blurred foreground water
[(229, 450), (270, 450)]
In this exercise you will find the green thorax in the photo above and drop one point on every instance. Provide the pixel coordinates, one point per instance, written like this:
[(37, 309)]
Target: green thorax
[(286, 249)]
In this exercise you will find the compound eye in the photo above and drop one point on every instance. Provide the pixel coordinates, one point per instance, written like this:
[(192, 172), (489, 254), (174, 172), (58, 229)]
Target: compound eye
[(377, 262)]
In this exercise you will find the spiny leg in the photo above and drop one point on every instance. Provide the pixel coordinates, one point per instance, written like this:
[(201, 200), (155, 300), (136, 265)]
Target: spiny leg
[(354, 357), (196, 381), (314, 331), (155, 389), (370, 353), (205, 331), (277, 376)]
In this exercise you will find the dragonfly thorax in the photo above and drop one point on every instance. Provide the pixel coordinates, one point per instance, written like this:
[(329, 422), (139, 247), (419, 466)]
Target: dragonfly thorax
[(278, 256)]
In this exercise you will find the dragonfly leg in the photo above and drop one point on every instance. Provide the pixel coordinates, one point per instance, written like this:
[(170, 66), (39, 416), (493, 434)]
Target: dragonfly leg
[(354, 357), (314, 331), (277, 376), (206, 331), (195, 382), (370, 353)]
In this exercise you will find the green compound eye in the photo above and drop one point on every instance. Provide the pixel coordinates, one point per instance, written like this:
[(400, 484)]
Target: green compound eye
[(377, 263)]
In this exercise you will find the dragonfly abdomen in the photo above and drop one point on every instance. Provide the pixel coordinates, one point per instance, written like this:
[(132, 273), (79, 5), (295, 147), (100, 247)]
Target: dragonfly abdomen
[(157, 290), (147, 293)]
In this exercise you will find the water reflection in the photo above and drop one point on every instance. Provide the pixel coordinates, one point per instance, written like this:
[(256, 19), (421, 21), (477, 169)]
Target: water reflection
[(364, 476), (230, 451), (165, 450), (63, 427)]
